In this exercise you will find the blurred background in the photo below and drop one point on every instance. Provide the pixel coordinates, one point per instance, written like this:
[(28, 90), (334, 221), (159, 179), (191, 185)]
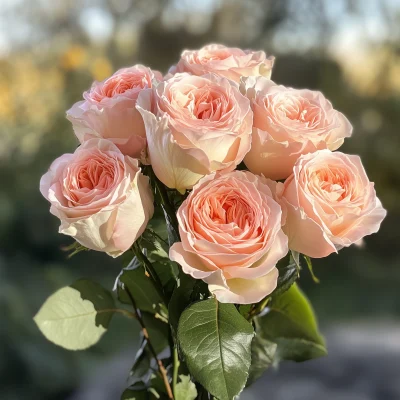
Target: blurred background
[(51, 51)]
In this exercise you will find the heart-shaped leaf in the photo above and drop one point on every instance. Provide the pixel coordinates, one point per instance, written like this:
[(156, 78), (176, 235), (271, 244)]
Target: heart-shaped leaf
[(75, 317)]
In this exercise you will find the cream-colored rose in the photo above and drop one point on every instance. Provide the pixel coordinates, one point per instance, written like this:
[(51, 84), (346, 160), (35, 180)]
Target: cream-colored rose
[(100, 196), (195, 125), (329, 203), (109, 112), (230, 227), (230, 62), (288, 123)]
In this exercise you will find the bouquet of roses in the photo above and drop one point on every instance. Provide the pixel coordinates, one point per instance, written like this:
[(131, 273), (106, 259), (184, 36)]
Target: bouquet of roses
[(215, 184)]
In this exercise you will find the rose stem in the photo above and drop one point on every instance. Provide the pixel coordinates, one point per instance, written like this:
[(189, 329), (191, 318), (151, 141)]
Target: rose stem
[(176, 368), (160, 364)]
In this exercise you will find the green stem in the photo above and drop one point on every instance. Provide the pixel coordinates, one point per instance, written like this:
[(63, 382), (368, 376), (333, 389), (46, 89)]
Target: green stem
[(149, 268), (176, 369)]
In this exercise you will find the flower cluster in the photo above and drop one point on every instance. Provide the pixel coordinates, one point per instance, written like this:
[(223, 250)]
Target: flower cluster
[(216, 109)]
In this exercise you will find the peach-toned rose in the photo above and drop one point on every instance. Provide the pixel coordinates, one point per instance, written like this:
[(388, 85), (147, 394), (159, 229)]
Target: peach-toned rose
[(109, 112), (329, 203), (230, 227), (100, 196), (195, 125), (230, 62), (288, 123)]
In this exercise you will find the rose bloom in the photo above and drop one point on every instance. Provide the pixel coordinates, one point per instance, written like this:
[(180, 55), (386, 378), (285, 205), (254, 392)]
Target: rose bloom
[(288, 123), (194, 126), (101, 197), (230, 227), (329, 202), (230, 62), (109, 112)]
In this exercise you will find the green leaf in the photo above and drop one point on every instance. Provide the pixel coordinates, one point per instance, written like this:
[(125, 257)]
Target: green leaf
[(262, 357), (185, 389), (158, 332), (75, 317), (291, 324), (180, 299), (141, 288), (216, 342), (130, 394)]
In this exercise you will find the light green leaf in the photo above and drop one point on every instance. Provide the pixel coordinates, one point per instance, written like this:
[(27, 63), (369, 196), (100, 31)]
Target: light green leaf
[(75, 317), (185, 389), (216, 342), (291, 324)]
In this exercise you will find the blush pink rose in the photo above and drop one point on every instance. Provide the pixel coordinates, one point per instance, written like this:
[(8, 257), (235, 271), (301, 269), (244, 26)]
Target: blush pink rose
[(329, 203), (230, 227), (109, 112), (195, 125), (230, 62), (101, 197), (288, 123)]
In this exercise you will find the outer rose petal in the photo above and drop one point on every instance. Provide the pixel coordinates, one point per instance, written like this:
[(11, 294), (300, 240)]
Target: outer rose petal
[(121, 123), (174, 166), (190, 262), (274, 159), (242, 291), (305, 235)]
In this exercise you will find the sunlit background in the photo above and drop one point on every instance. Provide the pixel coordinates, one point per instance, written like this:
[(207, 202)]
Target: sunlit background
[(51, 51)]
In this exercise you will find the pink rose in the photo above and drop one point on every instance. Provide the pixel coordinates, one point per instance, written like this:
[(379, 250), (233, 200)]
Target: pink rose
[(230, 227), (230, 62), (288, 123), (329, 203), (101, 197), (109, 112), (194, 126)]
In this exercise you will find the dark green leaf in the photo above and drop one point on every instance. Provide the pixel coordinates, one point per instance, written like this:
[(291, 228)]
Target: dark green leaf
[(167, 271), (288, 274), (216, 342), (291, 324), (157, 330), (141, 288), (180, 299), (262, 357)]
